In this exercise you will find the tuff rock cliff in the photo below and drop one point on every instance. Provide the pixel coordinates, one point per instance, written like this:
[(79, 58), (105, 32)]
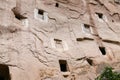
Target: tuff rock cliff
[(58, 39)]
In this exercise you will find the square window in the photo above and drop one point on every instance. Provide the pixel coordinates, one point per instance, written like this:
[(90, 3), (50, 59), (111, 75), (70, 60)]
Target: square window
[(63, 65), (40, 12), (41, 15), (86, 28), (57, 5)]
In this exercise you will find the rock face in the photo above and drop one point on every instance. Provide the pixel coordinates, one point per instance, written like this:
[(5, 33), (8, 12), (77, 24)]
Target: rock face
[(58, 39)]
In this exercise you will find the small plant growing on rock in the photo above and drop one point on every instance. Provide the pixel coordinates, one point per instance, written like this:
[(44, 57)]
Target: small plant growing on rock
[(108, 74)]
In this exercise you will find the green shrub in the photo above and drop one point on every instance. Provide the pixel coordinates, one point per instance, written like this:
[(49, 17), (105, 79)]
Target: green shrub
[(108, 74)]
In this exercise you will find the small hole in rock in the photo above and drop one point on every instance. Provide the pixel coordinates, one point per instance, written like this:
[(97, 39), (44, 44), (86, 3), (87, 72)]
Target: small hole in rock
[(90, 61), (100, 15), (41, 12), (57, 5), (103, 51)]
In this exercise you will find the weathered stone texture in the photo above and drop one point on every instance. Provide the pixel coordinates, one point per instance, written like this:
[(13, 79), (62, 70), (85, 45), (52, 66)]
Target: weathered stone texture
[(36, 34)]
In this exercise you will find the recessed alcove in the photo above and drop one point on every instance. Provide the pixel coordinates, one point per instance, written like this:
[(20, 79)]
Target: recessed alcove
[(4, 72), (40, 14), (58, 44), (63, 66), (102, 50), (57, 5)]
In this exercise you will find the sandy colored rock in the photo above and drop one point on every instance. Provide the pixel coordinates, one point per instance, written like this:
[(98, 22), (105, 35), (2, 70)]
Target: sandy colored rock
[(58, 39)]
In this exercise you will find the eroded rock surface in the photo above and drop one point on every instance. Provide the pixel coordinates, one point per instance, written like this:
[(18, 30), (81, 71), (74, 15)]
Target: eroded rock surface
[(58, 39)]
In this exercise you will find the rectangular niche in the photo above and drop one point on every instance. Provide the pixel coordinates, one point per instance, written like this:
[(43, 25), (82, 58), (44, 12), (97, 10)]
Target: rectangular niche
[(4, 72), (63, 66), (86, 28), (58, 44), (41, 15), (102, 50)]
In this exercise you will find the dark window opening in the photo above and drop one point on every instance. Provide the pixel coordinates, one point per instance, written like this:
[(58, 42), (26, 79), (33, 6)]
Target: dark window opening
[(87, 28), (18, 15), (90, 61), (79, 39), (41, 12), (100, 15), (4, 72), (57, 4), (63, 65), (58, 41), (103, 51), (2, 78)]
